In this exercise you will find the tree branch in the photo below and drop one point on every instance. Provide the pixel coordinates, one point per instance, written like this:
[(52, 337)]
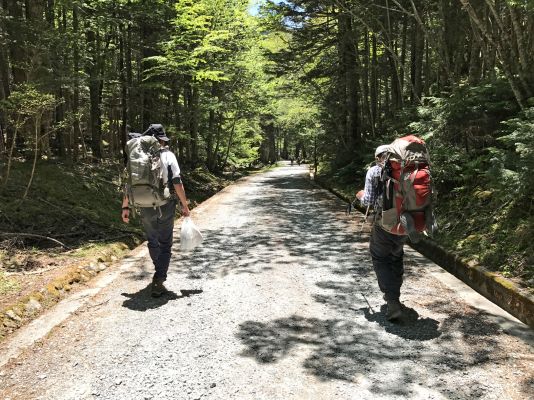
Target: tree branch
[(31, 235)]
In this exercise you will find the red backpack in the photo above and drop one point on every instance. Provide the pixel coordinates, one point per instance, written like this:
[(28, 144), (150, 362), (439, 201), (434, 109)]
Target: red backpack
[(407, 185)]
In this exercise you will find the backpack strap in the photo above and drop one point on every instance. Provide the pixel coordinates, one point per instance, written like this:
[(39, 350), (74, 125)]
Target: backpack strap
[(414, 173)]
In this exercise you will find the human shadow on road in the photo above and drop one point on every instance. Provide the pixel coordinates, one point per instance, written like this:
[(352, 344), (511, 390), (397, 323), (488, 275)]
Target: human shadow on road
[(143, 301), (410, 326), (390, 358), (337, 348)]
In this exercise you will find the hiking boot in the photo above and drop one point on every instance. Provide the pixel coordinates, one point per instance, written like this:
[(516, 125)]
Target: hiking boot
[(394, 310), (158, 288)]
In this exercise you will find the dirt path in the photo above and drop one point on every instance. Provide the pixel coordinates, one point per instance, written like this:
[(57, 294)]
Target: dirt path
[(279, 303)]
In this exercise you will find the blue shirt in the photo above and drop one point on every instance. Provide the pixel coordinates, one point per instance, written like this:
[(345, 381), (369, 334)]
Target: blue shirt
[(370, 192)]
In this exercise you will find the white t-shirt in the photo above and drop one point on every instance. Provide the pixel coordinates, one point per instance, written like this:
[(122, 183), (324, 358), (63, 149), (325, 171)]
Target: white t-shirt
[(167, 159)]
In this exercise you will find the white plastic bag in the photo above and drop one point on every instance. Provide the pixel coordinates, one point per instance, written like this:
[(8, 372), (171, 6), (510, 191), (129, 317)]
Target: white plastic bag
[(190, 236)]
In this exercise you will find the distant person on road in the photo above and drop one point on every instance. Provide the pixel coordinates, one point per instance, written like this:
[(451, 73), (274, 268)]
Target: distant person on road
[(386, 248), (158, 221)]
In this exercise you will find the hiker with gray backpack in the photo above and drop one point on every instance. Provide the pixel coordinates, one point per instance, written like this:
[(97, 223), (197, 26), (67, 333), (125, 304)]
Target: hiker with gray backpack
[(399, 188), (154, 186)]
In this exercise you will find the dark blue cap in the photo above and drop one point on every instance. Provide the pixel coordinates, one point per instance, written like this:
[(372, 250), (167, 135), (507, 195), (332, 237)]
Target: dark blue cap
[(157, 131)]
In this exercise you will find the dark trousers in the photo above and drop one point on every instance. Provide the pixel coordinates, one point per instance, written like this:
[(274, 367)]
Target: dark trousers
[(158, 224), (387, 254)]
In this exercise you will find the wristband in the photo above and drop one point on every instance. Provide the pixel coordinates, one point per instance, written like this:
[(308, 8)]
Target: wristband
[(126, 208)]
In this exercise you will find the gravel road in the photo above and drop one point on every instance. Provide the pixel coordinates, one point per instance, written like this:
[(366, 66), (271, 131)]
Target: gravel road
[(280, 302)]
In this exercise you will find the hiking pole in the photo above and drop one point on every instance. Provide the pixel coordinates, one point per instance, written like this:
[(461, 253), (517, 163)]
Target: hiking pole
[(367, 301), (350, 207), (364, 220)]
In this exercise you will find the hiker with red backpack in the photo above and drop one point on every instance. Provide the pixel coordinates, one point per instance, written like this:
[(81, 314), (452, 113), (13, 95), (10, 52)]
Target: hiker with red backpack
[(154, 186), (399, 189)]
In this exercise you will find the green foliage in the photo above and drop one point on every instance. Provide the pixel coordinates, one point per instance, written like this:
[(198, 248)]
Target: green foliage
[(519, 155), (482, 162), (206, 37), (79, 203), (469, 118), (25, 103)]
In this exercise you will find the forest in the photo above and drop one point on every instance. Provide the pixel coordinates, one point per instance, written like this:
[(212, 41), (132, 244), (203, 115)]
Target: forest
[(239, 84)]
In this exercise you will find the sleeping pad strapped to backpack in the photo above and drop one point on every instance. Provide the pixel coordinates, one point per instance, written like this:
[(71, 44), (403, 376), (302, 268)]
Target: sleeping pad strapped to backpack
[(407, 185)]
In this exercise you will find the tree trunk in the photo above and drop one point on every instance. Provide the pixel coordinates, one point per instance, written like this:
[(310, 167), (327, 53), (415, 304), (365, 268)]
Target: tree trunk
[(148, 94), (446, 70), (353, 83), (366, 84), (76, 129), (349, 77), (525, 72), (417, 63), (54, 64), (272, 145), (498, 46), (175, 98), (229, 145), (387, 100), (129, 79), (4, 61), (211, 161), (194, 125), (187, 119), (124, 97), (374, 79), (16, 31), (37, 70), (4, 73), (396, 94), (37, 127), (475, 65), (5, 93), (404, 41), (341, 88), (95, 118), (220, 119)]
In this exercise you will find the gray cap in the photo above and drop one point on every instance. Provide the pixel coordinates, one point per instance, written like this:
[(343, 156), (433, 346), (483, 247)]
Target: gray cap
[(384, 148)]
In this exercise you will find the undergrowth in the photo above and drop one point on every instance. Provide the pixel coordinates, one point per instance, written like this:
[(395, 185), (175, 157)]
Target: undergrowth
[(79, 206), (7, 285), (74, 204)]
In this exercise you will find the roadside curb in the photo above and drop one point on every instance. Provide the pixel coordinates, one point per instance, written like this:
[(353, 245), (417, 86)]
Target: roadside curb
[(499, 290), (34, 304), (40, 326)]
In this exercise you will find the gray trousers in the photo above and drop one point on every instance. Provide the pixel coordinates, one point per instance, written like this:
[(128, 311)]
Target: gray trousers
[(158, 230), (387, 254)]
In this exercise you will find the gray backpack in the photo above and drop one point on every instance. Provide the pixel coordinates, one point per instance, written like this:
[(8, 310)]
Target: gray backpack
[(145, 178)]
